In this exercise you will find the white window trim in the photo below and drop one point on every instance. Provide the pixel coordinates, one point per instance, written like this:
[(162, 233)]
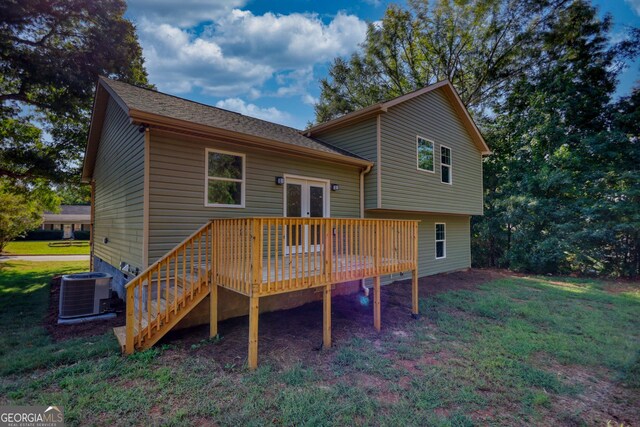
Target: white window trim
[(433, 146), (450, 165), (444, 242), (207, 178)]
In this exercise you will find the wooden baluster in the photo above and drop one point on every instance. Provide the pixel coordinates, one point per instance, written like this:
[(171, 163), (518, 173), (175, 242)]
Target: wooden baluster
[(175, 282), (158, 293), (268, 224), (289, 233), (199, 265), (277, 253)]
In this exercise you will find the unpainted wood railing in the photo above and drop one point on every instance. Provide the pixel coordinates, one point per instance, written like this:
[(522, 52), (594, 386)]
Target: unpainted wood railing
[(163, 293), (266, 256), (263, 256)]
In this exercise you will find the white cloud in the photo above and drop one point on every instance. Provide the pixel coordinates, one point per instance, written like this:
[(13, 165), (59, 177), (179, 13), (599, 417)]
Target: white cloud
[(309, 100), (237, 53), (184, 14), (271, 114), (635, 5), (288, 41), (177, 62)]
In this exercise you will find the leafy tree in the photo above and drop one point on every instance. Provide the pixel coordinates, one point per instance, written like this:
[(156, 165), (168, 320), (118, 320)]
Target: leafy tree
[(51, 53), (18, 215), (70, 194), (561, 186), (478, 46)]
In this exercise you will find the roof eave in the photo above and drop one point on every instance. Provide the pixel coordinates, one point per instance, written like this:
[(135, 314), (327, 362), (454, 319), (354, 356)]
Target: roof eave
[(100, 100), (347, 119)]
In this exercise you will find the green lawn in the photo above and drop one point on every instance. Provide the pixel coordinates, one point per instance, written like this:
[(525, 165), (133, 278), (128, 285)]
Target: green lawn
[(43, 248), (515, 351)]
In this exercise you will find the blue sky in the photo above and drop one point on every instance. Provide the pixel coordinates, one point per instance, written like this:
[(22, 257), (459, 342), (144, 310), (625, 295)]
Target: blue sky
[(265, 58)]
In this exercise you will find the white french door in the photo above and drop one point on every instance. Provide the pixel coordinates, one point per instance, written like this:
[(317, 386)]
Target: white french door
[(304, 198)]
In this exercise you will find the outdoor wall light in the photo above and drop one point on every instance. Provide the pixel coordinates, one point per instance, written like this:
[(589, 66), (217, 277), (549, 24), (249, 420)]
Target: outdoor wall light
[(279, 180), (335, 187)]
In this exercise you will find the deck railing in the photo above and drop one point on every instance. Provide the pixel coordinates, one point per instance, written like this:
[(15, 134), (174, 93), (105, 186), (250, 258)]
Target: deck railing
[(157, 297), (266, 256)]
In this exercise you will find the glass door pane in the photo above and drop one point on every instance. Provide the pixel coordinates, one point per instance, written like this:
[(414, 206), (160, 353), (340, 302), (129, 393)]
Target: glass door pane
[(294, 209), (316, 210)]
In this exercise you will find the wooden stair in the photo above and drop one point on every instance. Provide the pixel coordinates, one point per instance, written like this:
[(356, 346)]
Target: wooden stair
[(162, 295)]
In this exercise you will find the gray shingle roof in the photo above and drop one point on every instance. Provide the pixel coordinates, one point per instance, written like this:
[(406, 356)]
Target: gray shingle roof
[(158, 103), (69, 214)]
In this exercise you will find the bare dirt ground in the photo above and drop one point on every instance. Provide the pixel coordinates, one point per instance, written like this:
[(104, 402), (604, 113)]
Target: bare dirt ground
[(289, 336)]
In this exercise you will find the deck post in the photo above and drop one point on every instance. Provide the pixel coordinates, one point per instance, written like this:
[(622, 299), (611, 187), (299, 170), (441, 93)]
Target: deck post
[(326, 317), (376, 303), (414, 292), (414, 273), (213, 308), (254, 312), (131, 302), (213, 287)]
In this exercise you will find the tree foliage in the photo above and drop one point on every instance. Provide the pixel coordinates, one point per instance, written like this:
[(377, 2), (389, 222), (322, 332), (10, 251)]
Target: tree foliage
[(18, 214), (562, 187), (51, 53), (478, 46)]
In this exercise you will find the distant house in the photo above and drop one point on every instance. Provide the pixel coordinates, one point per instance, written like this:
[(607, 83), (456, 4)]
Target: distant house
[(192, 201), (70, 219)]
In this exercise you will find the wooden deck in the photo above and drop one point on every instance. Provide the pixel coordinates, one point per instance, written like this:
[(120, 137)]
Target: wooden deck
[(258, 257)]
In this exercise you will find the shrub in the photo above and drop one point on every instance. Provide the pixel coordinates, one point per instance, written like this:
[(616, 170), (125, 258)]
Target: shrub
[(81, 234), (42, 235)]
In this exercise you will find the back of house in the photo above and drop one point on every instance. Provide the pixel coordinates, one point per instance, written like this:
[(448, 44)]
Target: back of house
[(160, 167)]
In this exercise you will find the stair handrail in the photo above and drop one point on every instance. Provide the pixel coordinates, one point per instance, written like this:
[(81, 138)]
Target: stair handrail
[(147, 274), (168, 254)]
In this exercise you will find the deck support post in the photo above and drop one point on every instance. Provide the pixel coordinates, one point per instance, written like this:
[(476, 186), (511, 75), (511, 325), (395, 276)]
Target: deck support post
[(213, 308), (131, 303), (414, 292), (254, 312), (326, 317), (376, 303)]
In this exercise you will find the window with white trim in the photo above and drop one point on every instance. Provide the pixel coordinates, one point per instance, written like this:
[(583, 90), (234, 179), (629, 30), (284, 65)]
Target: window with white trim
[(225, 184), (445, 164), (425, 154), (441, 241)]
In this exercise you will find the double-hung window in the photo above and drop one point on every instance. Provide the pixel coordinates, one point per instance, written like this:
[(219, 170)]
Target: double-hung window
[(441, 241), (225, 182), (425, 154), (445, 165)]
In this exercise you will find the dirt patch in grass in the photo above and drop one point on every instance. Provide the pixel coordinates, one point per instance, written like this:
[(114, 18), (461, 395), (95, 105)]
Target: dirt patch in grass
[(290, 336), (600, 399), (79, 330)]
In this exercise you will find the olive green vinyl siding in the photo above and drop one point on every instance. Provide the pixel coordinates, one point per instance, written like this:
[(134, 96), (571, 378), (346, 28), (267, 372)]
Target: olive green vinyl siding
[(177, 187), (404, 187), (119, 178), (458, 243), (359, 139)]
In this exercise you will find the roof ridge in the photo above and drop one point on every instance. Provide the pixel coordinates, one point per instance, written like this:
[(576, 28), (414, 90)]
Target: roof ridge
[(157, 92)]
